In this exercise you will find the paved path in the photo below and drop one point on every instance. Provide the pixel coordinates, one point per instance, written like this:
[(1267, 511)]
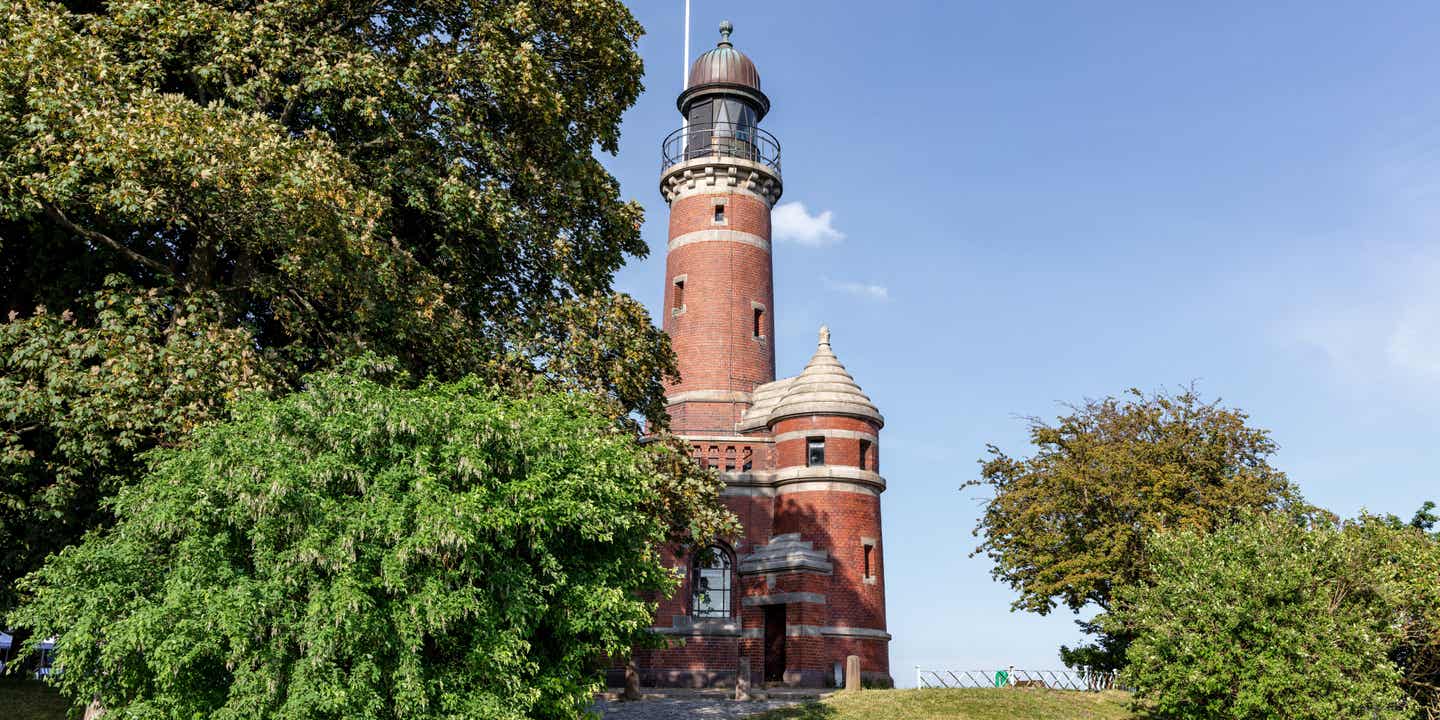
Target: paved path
[(686, 708)]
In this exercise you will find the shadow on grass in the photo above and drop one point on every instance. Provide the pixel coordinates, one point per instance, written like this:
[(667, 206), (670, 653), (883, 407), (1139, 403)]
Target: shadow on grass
[(22, 699), (809, 711)]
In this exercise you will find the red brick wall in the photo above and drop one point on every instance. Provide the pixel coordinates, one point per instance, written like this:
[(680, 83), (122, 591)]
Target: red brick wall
[(691, 661), (714, 336), (836, 521), (743, 212), (874, 654), (757, 514), (838, 450), (706, 417)]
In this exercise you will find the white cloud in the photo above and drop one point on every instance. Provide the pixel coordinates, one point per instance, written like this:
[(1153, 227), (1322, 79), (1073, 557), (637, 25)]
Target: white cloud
[(1387, 329), (791, 222), (869, 291), (1414, 337), (1376, 316)]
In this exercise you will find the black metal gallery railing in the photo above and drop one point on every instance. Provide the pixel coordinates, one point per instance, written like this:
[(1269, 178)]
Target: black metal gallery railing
[(734, 140)]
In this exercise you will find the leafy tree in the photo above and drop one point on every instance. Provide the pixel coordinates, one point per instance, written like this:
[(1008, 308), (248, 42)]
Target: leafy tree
[(309, 180), (1068, 524), (1425, 518), (1278, 618), (80, 400), (362, 550)]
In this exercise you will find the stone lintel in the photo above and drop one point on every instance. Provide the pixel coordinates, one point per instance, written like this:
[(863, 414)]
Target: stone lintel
[(686, 626), (783, 599), (835, 631)]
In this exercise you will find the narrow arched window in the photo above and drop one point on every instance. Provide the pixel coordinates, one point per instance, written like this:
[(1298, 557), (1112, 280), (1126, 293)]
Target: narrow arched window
[(710, 583)]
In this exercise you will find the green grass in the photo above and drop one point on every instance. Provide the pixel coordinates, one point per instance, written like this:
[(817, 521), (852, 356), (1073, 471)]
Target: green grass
[(29, 700), (1003, 704)]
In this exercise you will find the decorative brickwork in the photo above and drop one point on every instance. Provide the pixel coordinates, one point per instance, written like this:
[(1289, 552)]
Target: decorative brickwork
[(800, 455)]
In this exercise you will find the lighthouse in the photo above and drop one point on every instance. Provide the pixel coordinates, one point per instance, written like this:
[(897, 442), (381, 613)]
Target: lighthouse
[(804, 587)]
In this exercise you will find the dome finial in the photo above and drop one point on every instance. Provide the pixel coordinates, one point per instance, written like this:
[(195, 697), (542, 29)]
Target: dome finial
[(726, 27), (825, 335)]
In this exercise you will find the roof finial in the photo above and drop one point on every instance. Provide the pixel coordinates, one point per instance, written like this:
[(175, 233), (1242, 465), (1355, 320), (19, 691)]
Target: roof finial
[(726, 27), (825, 335)]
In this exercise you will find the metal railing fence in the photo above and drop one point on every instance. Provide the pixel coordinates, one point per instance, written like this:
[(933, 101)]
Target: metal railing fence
[(1078, 680), (720, 139)]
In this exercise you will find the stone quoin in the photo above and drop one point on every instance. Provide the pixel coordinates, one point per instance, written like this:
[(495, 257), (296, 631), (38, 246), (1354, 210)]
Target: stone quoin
[(804, 588)]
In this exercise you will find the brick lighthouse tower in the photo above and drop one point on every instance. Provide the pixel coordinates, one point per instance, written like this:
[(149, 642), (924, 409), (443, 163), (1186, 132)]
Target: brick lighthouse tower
[(804, 587)]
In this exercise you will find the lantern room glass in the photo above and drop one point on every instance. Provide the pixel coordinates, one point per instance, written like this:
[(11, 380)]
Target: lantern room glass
[(721, 125)]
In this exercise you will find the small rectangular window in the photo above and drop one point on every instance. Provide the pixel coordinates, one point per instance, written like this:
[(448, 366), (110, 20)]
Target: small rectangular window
[(869, 571), (720, 213), (677, 302), (747, 459), (864, 454), (759, 329), (815, 451), (730, 459)]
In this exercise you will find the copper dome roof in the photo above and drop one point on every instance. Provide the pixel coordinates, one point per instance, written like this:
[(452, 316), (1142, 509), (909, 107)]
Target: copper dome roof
[(724, 65)]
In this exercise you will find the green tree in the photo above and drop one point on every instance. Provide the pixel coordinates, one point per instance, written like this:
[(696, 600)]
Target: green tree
[(363, 550), (309, 180), (1067, 525), (1280, 618), (79, 400)]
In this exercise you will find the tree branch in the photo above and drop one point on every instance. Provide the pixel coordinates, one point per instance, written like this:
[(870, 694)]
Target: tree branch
[(59, 217)]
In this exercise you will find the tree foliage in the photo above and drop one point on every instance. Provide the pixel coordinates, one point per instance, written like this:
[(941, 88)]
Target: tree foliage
[(361, 550), (318, 179), (1067, 525), (79, 401), (1279, 618)]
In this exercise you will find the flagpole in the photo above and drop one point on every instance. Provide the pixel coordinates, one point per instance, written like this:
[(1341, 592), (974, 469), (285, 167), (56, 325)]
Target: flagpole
[(685, 83), (685, 61)]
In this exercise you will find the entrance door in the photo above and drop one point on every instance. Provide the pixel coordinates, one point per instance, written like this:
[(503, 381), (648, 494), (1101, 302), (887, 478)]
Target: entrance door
[(774, 643)]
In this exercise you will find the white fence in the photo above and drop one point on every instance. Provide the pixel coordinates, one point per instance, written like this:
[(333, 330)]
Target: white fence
[(1078, 680)]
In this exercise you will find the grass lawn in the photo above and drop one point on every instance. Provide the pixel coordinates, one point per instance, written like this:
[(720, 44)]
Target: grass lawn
[(1008, 704), (29, 700)]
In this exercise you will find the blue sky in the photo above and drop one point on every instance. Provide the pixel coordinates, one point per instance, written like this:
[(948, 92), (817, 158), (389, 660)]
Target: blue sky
[(1008, 206)]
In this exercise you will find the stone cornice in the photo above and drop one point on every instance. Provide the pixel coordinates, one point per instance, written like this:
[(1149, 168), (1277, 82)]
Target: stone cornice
[(715, 396), (827, 432), (829, 405), (819, 478), (728, 439), (834, 474), (721, 174)]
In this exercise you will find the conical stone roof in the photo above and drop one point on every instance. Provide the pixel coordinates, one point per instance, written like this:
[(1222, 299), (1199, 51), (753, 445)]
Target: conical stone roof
[(825, 387)]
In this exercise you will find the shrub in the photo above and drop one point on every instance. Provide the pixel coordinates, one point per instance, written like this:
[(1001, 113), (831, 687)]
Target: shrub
[(1282, 618), (357, 550)]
